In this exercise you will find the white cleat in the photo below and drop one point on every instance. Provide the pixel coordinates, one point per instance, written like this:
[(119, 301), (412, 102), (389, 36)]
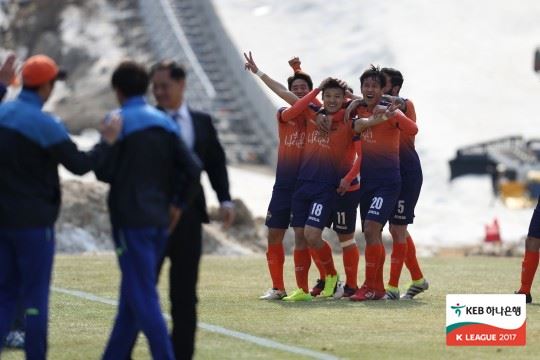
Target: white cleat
[(273, 294), (340, 290)]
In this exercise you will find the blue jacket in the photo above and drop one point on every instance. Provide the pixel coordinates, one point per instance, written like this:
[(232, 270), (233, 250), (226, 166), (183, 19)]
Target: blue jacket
[(149, 168), (32, 144)]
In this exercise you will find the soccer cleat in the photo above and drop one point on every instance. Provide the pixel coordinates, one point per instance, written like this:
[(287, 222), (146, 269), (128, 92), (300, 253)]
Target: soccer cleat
[(365, 293), (330, 285), (528, 297), (343, 290), (416, 287), (15, 339), (273, 294), (316, 290), (349, 291), (340, 290), (392, 293), (298, 295)]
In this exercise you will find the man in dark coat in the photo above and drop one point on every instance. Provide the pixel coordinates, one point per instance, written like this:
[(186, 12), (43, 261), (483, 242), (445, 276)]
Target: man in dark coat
[(184, 251)]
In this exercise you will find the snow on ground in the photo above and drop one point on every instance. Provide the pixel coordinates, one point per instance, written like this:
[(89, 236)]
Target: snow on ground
[(467, 67)]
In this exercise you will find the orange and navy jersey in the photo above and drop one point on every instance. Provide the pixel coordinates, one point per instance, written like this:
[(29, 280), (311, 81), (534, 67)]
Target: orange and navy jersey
[(292, 133), (353, 176), (380, 145), (328, 156), (408, 156)]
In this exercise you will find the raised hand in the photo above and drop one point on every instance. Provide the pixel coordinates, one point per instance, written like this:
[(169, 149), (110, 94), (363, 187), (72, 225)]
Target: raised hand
[(7, 70), (295, 64), (323, 83), (343, 84), (250, 63), (175, 213), (361, 124), (397, 103), (111, 128), (228, 214), (351, 108), (343, 187), (324, 123)]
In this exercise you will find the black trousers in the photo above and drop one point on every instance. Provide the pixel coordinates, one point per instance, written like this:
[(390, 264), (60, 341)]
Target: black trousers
[(184, 251)]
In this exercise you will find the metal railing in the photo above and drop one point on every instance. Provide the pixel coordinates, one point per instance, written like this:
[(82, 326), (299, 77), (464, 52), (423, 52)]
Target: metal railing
[(168, 41), (190, 32), (264, 107)]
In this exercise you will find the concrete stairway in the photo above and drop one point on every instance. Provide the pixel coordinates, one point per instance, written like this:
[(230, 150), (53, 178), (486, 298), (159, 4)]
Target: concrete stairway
[(189, 31)]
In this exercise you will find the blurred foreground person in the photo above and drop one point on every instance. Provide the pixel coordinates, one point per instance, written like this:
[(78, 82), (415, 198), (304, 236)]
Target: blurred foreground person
[(530, 258), (15, 337), (149, 170), (32, 144)]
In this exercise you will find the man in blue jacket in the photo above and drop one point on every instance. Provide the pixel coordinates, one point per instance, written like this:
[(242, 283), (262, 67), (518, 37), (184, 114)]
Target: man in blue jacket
[(149, 170), (32, 144)]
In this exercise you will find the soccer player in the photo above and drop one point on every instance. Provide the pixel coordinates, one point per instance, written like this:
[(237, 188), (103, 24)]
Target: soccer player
[(381, 180), (291, 130), (33, 143), (530, 259), (347, 203), (322, 167), (344, 220), (149, 170), (403, 249)]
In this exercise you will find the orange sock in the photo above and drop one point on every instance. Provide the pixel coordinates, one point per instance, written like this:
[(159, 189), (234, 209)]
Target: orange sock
[(373, 254), (351, 256), (528, 269), (275, 257), (411, 262), (320, 267), (325, 256), (399, 252), (379, 283), (302, 262)]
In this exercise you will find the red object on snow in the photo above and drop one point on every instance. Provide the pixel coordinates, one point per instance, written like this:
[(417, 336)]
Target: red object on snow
[(493, 232)]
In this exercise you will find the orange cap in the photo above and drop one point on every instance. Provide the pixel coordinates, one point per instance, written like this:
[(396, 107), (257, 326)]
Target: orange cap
[(40, 69)]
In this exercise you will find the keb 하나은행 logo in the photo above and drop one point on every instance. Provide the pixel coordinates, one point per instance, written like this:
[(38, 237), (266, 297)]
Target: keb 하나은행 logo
[(485, 320), (457, 309)]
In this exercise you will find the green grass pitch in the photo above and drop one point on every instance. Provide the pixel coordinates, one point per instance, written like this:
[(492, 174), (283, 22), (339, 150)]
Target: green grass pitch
[(228, 291)]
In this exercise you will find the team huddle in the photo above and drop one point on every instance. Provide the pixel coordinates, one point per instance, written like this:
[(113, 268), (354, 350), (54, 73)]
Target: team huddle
[(335, 156)]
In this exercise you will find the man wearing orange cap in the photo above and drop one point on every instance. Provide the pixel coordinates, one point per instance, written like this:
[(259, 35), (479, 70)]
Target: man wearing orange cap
[(33, 144)]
